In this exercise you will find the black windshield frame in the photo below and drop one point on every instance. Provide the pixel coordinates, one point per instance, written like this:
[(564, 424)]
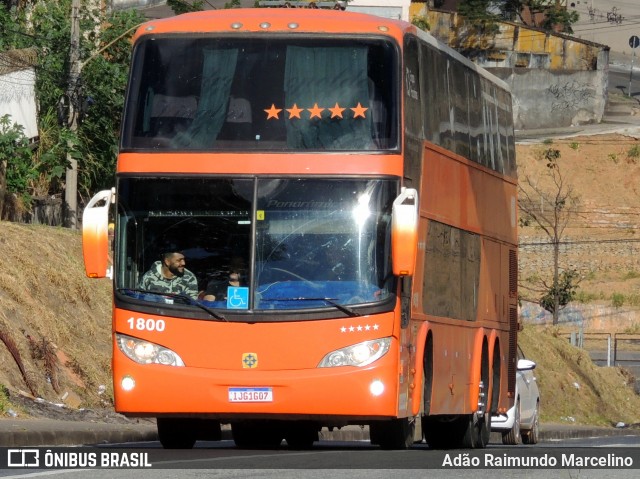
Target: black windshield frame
[(257, 93), (297, 244)]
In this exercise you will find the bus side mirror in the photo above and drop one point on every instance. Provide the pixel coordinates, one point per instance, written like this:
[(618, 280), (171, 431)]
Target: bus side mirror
[(404, 232), (95, 234)]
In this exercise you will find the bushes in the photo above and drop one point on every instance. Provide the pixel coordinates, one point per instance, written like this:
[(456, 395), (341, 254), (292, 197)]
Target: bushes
[(30, 171), (15, 158)]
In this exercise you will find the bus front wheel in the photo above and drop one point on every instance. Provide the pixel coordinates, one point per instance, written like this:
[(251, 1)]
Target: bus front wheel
[(175, 433), (393, 434), (257, 434)]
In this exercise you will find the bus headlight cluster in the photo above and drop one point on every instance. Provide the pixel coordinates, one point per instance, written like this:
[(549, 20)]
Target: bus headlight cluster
[(359, 355), (145, 352)]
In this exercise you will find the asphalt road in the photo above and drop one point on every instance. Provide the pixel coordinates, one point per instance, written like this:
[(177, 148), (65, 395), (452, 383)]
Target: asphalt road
[(620, 77), (358, 459)]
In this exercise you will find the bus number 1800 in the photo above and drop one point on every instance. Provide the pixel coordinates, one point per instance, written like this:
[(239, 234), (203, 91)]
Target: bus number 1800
[(142, 324)]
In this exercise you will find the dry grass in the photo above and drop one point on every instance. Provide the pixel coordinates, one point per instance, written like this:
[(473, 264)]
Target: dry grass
[(59, 320), (604, 173), (572, 388)]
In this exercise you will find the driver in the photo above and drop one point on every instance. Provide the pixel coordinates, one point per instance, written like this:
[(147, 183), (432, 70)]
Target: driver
[(169, 275)]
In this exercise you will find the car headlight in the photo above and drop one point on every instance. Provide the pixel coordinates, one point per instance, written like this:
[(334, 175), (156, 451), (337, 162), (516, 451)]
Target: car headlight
[(359, 355), (145, 352)]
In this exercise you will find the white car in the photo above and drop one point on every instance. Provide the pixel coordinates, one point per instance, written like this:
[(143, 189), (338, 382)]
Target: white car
[(522, 421)]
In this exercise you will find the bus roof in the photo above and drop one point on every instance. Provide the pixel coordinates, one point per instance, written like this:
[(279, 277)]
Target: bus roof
[(271, 20), (298, 20)]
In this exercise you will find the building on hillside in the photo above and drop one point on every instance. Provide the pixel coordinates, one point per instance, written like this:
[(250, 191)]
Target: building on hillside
[(525, 16), (17, 89), (398, 9), (557, 80)]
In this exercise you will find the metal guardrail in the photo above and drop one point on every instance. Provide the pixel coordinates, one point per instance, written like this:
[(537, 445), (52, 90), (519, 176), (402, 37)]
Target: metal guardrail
[(615, 352), (627, 338), (577, 339)]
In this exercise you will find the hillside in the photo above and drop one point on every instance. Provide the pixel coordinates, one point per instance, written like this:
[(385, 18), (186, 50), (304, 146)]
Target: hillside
[(57, 322), (602, 238), (573, 390), (54, 322)]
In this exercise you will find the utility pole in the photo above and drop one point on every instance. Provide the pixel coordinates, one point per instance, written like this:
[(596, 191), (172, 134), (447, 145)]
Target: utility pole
[(71, 183)]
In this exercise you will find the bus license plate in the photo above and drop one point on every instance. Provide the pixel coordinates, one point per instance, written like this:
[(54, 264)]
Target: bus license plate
[(250, 395)]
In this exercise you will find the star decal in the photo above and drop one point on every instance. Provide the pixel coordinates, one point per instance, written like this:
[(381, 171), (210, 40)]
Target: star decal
[(315, 111), (294, 111), (273, 112), (336, 111), (358, 111), (359, 328)]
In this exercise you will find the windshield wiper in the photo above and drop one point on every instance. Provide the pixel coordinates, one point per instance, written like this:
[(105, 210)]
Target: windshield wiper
[(331, 301), (189, 300)]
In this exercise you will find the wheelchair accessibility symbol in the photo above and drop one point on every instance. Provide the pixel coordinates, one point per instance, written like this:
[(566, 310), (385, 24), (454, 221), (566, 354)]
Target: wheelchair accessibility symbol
[(237, 297)]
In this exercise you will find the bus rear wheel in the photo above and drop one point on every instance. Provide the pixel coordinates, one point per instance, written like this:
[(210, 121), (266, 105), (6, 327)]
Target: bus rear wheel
[(442, 432), (477, 430), (477, 426)]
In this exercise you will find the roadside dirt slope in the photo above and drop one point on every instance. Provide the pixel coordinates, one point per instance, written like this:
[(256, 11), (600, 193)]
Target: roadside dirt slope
[(54, 322), (604, 173)]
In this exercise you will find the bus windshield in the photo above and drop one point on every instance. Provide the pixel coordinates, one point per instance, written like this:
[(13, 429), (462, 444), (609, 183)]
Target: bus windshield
[(315, 243), (262, 93)]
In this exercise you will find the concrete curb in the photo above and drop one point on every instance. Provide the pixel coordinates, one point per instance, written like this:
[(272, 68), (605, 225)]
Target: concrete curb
[(45, 432)]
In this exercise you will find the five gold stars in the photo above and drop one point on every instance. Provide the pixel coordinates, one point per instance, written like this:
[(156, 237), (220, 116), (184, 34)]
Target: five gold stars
[(315, 111)]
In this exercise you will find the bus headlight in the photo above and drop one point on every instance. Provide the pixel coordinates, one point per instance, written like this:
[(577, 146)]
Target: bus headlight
[(359, 355), (145, 352)]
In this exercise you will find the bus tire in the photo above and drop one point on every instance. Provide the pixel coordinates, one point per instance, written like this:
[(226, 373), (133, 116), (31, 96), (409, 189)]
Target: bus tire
[(301, 435), (478, 425), (257, 434), (442, 432), (477, 431), (393, 434), (175, 433)]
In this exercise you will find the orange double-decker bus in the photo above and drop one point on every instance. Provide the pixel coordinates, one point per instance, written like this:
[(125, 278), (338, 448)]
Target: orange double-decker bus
[(359, 179)]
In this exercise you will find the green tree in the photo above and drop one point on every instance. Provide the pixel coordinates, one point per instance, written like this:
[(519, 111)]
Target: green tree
[(480, 14), (182, 6), (105, 52), (15, 160), (104, 79), (560, 294), (555, 13), (549, 204)]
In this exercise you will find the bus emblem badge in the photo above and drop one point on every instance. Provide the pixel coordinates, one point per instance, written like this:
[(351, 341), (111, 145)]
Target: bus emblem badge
[(249, 360)]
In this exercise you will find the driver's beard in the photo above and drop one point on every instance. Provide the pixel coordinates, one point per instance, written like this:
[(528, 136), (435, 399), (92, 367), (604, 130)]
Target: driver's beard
[(176, 272)]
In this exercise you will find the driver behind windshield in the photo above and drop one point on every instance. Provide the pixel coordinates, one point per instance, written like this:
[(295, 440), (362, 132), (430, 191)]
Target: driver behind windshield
[(169, 275)]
